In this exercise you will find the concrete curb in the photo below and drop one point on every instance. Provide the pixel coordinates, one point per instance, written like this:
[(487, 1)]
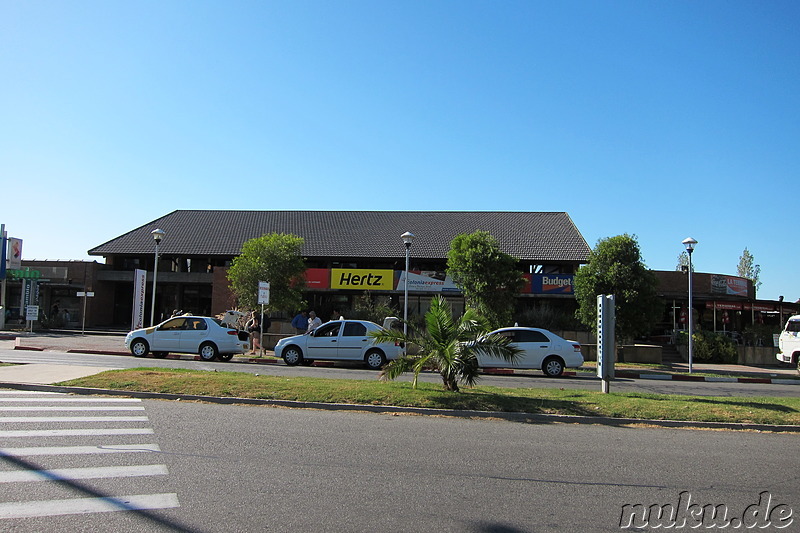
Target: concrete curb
[(388, 409), (627, 374)]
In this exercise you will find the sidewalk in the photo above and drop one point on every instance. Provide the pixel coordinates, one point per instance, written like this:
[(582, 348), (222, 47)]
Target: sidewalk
[(113, 344)]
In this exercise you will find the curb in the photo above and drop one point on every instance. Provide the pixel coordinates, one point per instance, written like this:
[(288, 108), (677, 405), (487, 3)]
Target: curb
[(628, 374), (389, 409)]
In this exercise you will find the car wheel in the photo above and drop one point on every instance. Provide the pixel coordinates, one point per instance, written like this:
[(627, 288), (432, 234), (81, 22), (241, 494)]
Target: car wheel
[(160, 355), (375, 359), (139, 348), (208, 351), (225, 356), (292, 355), (553, 367)]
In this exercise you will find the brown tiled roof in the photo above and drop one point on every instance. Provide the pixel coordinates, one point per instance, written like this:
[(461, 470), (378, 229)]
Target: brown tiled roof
[(540, 237)]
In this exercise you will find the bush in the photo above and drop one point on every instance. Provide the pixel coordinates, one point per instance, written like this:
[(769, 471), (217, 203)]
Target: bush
[(710, 347), (759, 334), (373, 308)]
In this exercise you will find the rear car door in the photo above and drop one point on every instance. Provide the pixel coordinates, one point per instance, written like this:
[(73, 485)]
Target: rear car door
[(323, 343), (353, 341), (536, 346), (195, 332)]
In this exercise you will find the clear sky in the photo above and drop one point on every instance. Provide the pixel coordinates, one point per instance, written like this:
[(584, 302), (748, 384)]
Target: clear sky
[(660, 119)]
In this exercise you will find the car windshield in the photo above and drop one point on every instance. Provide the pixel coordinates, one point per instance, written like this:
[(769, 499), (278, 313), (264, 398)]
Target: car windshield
[(793, 326)]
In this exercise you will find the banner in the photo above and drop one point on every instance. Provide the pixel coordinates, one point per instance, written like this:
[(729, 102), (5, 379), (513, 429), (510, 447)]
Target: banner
[(362, 279), (728, 285), (139, 284), (551, 283), (14, 256), (426, 281)]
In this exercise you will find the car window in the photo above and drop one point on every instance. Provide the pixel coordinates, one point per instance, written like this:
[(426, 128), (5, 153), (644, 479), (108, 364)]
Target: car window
[(172, 325), (196, 324), (793, 325), (354, 329), (328, 330), (530, 336)]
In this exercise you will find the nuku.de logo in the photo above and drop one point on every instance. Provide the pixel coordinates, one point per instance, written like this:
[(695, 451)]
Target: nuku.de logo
[(695, 516)]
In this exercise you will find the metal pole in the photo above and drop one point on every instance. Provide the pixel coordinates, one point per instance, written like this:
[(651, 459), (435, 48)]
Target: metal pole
[(405, 295), (153, 303), (691, 330), (3, 282), (83, 322)]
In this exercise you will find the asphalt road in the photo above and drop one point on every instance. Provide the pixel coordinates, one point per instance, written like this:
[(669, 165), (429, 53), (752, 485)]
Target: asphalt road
[(224, 468), (356, 371)]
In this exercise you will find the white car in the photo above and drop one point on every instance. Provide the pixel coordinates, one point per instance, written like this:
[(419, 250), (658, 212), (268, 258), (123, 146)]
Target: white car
[(202, 335), (542, 349), (338, 340), (789, 342)]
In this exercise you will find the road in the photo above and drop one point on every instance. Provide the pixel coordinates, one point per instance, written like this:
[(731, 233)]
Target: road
[(357, 372), (221, 468)]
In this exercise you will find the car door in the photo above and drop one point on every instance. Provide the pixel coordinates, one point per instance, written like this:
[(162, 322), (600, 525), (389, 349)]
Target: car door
[(195, 331), (167, 336), (535, 346), (353, 341), (323, 342)]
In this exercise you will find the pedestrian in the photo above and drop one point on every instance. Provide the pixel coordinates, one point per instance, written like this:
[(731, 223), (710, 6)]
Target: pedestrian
[(300, 322), (336, 315), (313, 321), (254, 328), (67, 316)]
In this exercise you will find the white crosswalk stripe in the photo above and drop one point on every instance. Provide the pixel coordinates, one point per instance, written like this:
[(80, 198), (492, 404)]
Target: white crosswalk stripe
[(40, 413)]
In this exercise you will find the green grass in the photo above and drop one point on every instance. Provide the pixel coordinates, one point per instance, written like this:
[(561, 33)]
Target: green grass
[(763, 410)]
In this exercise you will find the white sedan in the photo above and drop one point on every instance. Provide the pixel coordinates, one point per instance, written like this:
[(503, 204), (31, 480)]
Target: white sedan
[(202, 335), (338, 340), (541, 349)]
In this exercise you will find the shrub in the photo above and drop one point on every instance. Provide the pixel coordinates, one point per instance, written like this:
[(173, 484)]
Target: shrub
[(711, 347)]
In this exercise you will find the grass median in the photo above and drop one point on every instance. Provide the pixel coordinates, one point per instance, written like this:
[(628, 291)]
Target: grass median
[(753, 410)]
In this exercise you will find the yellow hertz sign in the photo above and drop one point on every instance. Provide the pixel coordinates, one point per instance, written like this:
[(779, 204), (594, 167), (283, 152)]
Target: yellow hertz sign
[(362, 279)]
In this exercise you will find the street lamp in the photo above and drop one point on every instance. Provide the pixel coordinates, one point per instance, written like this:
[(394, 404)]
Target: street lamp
[(408, 238), (689, 244), (158, 235)]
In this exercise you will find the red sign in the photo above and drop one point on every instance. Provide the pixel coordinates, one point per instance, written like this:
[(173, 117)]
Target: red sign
[(318, 278)]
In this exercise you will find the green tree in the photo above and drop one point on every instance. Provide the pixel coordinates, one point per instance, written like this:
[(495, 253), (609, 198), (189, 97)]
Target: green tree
[(748, 269), (615, 267), (683, 262), (447, 345), (275, 258), (489, 278)]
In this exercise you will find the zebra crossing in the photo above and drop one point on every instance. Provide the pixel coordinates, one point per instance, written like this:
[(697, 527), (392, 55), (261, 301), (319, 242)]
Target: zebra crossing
[(68, 455)]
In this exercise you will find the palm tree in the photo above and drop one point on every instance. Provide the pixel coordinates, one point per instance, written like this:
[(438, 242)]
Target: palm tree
[(447, 345)]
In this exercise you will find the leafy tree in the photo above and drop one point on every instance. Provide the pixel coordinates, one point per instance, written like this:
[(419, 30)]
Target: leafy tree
[(683, 262), (489, 278), (275, 258), (615, 267), (748, 269), (447, 345)]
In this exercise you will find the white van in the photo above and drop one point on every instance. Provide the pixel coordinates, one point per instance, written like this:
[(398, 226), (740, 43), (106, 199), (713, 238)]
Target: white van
[(789, 341)]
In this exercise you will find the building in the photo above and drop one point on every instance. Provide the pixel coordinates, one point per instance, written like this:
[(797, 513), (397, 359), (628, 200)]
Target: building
[(199, 246)]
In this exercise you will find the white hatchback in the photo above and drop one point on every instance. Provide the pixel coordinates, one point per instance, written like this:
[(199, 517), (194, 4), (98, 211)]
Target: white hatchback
[(203, 335), (343, 340), (541, 350)]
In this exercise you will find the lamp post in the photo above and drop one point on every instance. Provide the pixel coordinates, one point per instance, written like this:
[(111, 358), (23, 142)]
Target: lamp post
[(689, 244), (158, 235), (408, 238)]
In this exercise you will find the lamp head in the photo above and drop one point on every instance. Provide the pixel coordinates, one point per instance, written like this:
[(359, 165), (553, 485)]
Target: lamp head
[(158, 235), (689, 243), (408, 238)]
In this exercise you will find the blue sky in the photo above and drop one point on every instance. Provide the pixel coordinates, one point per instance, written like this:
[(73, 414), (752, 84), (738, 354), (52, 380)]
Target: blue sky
[(659, 119)]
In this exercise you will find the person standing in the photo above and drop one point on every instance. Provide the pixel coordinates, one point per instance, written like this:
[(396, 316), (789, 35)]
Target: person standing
[(254, 328), (313, 321), (300, 322)]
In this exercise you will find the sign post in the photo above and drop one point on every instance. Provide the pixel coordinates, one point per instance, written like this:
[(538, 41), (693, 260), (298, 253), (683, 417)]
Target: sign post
[(263, 299), (85, 295), (31, 314), (606, 322)]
